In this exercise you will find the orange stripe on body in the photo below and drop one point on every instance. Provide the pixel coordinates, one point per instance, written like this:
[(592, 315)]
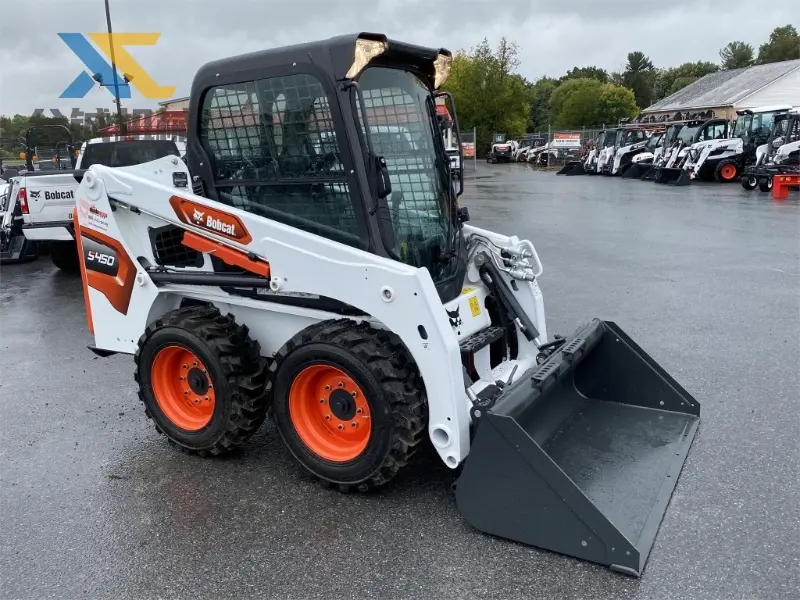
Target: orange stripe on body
[(228, 255)]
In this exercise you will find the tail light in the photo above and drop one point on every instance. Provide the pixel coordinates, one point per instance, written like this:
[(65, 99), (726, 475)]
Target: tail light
[(22, 196)]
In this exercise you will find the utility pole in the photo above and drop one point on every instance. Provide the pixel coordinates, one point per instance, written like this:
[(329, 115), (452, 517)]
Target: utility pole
[(123, 130)]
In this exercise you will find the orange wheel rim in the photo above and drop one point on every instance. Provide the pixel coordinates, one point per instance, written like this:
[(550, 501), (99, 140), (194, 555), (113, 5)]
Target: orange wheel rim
[(728, 172), (330, 413), (183, 388)]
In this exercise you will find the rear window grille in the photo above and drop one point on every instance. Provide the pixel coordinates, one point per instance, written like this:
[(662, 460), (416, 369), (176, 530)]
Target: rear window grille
[(169, 250)]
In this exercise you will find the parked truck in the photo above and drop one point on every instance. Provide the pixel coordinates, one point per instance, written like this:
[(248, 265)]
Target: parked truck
[(46, 196)]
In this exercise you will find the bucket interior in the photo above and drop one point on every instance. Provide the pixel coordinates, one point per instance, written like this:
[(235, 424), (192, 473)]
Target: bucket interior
[(583, 457)]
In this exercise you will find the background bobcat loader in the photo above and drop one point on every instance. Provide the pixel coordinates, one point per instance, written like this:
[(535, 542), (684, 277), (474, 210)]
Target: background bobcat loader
[(327, 274)]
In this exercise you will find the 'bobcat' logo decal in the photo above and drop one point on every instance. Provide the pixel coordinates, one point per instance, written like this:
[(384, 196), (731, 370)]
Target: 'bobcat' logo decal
[(455, 320), (198, 216)]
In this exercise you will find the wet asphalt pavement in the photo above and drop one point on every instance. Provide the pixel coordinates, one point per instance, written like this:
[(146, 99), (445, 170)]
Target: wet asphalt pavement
[(95, 504)]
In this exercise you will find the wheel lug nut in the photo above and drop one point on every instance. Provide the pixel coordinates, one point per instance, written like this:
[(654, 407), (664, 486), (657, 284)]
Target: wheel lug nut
[(327, 387), (354, 424), (322, 400), (328, 417), (353, 394), (185, 366), (194, 364), (206, 397), (341, 384), (341, 426), (359, 411), (186, 392), (181, 378)]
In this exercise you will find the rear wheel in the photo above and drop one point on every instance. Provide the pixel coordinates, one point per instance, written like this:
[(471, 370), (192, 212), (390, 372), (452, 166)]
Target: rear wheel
[(202, 379), (765, 184), (65, 256), (348, 403), (726, 171)]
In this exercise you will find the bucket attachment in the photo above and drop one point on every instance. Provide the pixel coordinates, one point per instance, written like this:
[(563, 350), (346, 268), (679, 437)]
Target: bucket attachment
[(572, 167), (650, 174), (636, 170), (578, 169), (582, 457), (671, 176)]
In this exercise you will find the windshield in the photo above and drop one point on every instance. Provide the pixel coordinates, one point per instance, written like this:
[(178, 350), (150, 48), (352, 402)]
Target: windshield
[(611, 137), (601, 139), (126, 153), (653, 142), (404, 131), (742, 127), (633, 137), (687, 133), (762, 124)]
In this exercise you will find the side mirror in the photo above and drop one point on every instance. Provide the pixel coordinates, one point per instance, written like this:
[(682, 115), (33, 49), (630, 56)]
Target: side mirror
[(384, 184)]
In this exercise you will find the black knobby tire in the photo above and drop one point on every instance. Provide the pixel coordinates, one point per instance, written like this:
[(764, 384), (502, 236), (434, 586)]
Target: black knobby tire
[(749, 182), (65, 256), (235, 367), (765, 184), (378, 363)]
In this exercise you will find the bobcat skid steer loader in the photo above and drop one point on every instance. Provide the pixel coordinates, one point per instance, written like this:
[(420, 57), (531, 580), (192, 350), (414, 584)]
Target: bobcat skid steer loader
[(325, 273)]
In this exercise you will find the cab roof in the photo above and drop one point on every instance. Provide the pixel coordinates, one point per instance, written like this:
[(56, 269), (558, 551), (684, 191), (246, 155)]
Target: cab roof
[(334, 56)]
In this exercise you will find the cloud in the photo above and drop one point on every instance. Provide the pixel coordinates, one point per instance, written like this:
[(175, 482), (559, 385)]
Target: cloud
[(553, 35)]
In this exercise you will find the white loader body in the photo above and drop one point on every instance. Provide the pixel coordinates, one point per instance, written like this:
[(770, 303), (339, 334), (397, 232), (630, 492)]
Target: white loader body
[(115, 208)]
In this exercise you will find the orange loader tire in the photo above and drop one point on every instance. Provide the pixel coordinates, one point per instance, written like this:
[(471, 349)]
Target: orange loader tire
[(727, 171), (202, 380), (348, 402)]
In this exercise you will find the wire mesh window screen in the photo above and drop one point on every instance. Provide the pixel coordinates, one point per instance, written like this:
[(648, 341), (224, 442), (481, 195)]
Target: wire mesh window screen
[(275, 153), (402, 131)]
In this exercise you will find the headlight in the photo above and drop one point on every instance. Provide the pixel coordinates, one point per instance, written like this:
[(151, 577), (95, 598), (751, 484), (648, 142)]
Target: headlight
[(365, 51), (441, 70)]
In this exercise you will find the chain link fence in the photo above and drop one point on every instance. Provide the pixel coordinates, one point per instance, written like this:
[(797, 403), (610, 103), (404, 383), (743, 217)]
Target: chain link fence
[(555, 147)]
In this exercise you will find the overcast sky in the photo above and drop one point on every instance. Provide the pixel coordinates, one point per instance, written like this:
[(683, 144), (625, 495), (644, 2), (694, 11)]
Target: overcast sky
[(554, 35)]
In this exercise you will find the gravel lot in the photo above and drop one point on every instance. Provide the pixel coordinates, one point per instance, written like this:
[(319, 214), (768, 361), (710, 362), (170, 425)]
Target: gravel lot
[(95, 504)]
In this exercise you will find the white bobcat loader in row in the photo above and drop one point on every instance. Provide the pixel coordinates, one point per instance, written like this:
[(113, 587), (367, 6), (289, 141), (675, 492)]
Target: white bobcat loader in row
[(728, 158), (345, 292), (779, 155)]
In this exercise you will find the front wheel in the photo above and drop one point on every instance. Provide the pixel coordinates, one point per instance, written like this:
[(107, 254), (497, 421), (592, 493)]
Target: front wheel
[(726, 171), (348, 403), (765, 184), (749, 182)]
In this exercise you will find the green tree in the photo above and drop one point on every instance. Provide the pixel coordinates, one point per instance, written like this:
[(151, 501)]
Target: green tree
[(586, 73), (489, 94), (669, 81), (736, 55), (615, 103), (639, 76), (539, 97), (586, 102), (783, 44)]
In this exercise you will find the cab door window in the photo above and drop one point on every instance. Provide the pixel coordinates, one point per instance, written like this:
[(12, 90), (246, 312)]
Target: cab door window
[(274, 152)]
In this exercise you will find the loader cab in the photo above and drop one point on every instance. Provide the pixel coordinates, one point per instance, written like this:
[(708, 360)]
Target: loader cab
[(338, 138), (49, 147), (715, 129), (754, 126), (654, 141)]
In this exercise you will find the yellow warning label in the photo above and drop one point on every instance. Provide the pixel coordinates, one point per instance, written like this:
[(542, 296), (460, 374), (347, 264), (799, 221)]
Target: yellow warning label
[(467, 291), (474, 306)]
